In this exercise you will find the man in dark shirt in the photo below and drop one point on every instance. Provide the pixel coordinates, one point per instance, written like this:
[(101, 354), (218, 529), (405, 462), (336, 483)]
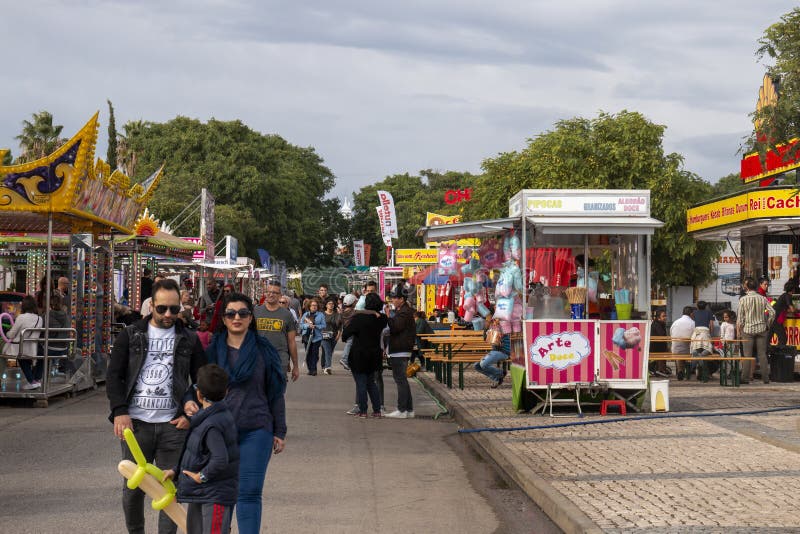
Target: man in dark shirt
[(659, 328), (146, 285)]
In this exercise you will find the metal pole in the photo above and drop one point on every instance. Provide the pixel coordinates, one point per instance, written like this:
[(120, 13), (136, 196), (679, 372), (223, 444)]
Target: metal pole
[(48, 270)]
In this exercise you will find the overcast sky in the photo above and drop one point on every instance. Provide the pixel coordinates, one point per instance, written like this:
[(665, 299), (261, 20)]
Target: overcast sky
[(385, 87)]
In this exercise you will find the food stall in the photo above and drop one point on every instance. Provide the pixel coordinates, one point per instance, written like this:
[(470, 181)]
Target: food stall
[(65, 194), (766, 221), (575, 287)]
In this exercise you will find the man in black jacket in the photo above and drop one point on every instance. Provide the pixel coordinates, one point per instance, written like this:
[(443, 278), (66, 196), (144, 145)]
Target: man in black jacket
[(402, 334), (659, 328), (153, 365)]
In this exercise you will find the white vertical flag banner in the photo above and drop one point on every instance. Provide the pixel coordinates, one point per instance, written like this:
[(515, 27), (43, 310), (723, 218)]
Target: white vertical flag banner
[(389, 215), (358, 252), (387, 239)]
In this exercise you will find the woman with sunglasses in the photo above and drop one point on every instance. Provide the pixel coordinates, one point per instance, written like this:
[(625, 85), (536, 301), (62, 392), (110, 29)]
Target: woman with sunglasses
[(255, 398)]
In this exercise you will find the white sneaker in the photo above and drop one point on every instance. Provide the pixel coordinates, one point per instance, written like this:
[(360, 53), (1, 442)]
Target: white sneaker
[(353, 411), (397, 414), (32, 385), (327, 371), (410, 414)]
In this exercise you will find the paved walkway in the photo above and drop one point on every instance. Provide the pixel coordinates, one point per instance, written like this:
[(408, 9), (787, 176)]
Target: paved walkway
[(700, 474)]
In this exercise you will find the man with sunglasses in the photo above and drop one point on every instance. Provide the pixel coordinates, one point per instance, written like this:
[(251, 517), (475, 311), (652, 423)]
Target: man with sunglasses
[(153, 365), (276, 323)]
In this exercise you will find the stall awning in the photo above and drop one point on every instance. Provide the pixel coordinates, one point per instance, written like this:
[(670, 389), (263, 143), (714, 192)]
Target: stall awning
[(444, 232), (777, 226), (596, 225)]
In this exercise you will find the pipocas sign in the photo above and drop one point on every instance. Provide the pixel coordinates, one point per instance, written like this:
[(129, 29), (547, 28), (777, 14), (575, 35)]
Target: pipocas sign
[(454, 196)]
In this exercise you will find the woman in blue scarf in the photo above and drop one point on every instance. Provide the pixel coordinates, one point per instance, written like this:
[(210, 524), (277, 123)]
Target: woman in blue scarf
[(255, 398)]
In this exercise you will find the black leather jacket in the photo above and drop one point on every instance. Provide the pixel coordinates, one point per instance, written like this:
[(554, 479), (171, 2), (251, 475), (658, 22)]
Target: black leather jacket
[(129, 354)]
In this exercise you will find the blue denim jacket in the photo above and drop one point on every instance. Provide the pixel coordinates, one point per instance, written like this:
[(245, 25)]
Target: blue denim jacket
[(319, 322)]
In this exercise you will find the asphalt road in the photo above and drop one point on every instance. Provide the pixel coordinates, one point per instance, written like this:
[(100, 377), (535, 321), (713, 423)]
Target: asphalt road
[(337, 474)]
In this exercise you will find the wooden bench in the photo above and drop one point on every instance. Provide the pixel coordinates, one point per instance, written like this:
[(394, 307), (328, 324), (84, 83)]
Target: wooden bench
[(461, 351), (724, 360)]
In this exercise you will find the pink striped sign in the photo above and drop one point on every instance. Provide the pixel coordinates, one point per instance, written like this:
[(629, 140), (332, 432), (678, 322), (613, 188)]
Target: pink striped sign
[(621, 350), (559, 352)]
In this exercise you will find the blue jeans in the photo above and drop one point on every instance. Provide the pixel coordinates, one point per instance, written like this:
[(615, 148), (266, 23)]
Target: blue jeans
[(365, 383), (312, 356), (255, 450), (346, 351), (488, 365), (32, 369), (327, 352)]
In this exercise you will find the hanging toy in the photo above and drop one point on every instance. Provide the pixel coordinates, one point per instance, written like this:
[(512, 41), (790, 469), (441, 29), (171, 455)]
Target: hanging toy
[(470, 272), (447, 259), (490, 253)]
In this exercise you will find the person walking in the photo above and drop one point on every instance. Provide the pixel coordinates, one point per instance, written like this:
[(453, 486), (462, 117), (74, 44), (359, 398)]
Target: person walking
[(255, 397), (330, 334), (752, 325), (402, 332), (276, 323), (366, 357), (28, 317), (152, 366), (312, 323)]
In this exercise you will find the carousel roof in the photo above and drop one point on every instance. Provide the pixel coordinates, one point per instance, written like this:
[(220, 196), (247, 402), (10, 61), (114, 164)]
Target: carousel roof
[(81, 196)]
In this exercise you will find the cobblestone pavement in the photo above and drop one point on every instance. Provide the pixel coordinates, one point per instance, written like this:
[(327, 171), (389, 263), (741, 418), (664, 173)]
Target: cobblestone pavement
[(695, 474)]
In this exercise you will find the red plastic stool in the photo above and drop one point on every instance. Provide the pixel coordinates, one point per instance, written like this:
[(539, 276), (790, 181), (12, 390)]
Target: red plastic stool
[(618, 403)]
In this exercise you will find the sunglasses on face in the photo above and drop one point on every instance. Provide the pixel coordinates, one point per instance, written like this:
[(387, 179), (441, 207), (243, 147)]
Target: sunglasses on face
[(162, 309), (284, 302), (243, 313)]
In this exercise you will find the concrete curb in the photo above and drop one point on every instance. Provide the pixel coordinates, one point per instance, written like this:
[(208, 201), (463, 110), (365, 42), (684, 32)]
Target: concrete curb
[(555, 504)]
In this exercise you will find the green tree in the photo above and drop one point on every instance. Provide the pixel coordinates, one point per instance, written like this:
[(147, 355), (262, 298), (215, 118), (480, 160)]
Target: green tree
[(413, 196), (111, 153), (39, 137), (274, 191), (780, 44), (622, 151), (126, 155), (7, 158), (729, 184)]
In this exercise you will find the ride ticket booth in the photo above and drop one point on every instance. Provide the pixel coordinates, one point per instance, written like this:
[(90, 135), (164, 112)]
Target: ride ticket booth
[(584, 262)]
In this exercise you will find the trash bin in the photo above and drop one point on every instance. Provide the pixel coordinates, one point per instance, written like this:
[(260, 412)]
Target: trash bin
[(659, 395), (781, 363)]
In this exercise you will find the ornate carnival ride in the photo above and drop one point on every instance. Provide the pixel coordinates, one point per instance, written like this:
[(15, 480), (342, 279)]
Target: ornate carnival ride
[(69, 201)]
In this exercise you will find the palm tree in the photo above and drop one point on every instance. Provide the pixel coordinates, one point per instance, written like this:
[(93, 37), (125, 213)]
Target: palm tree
[(39, 137), (126, 155)]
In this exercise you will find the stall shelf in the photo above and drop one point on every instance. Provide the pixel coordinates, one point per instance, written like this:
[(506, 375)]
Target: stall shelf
[(65, 193), (602, 344)]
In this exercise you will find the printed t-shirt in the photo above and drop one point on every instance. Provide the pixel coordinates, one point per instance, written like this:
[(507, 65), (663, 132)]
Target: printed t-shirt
[(152, 400), (274, 325)]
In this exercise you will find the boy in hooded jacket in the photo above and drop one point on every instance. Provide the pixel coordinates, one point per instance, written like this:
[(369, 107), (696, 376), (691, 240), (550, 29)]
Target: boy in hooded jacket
[(208, 468)]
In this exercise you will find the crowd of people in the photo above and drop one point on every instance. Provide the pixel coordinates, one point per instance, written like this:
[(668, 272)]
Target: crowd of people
[(211, 408)]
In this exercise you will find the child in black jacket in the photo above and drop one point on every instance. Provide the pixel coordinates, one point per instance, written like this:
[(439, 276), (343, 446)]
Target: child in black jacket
[(208, 467)]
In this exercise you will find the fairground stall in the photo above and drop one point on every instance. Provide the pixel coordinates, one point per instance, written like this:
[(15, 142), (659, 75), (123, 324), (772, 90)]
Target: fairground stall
[(571, 285), (66, 194), (766, 221)]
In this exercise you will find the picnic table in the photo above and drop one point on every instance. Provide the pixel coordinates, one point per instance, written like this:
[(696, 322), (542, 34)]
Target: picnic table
[(455, 348), (729, 365)]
